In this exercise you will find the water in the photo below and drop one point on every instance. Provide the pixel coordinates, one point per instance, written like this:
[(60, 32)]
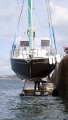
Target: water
[(16, 107)]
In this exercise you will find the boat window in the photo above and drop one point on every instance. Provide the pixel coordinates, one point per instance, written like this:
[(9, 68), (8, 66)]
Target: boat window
[(45, 43)]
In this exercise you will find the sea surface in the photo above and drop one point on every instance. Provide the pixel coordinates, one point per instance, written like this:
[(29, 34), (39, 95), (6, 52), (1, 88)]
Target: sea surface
[(16, 107)]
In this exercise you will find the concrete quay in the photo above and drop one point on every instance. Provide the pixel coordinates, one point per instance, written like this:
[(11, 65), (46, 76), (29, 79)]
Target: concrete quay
[(60, 79)]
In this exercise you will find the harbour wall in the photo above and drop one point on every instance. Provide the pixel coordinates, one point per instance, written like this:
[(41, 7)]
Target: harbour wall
[(60, 79)]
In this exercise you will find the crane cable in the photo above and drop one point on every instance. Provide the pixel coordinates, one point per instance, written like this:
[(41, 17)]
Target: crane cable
[(51, 26), (17, 26)]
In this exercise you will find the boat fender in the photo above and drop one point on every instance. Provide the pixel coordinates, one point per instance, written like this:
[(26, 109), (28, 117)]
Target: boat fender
[(20, 53), (53, 59), (58, 58), (50, 59)]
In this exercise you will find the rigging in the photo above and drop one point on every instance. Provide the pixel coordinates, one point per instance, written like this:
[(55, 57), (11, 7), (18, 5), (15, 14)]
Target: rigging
[(17, 26), (51, 26), (42, 30)]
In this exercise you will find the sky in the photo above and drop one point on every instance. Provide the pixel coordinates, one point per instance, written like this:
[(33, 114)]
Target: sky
[(9, 15)]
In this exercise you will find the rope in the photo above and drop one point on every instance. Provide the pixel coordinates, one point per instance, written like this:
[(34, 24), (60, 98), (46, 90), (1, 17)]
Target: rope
[(21, 11), (17, 26), (51, 26)]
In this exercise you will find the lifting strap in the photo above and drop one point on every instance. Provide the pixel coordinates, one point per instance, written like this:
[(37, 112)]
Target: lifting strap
[(17, 26), (52, 36)]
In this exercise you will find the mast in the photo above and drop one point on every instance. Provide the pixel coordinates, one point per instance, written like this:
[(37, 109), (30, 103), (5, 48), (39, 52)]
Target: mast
[(30, 23)]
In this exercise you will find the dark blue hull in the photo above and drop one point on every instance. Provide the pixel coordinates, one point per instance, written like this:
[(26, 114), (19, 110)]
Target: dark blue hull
[(31, 69)]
